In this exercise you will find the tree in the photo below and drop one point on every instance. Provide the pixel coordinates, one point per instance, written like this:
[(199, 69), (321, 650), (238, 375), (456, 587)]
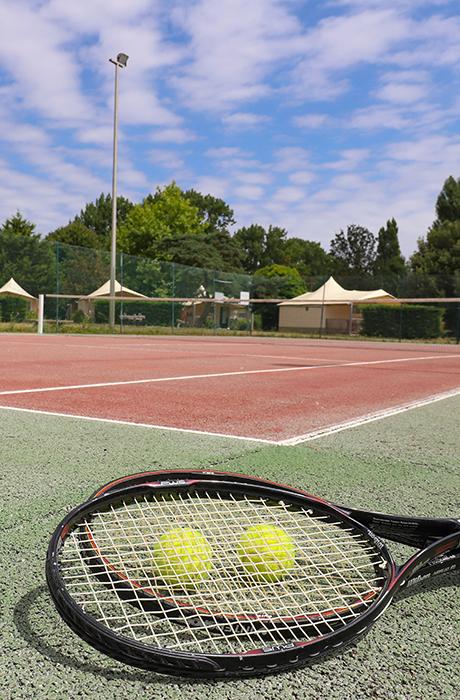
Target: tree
[(275, 240), (389, 262), (228, 250), (97, 216), (438, 257), (194, 251), (19, 226), (216, 214), (275, 282), (167, 214), (308, 257), (353, 252), (448, 202), (77, 234), (25, 256), (251, 241)]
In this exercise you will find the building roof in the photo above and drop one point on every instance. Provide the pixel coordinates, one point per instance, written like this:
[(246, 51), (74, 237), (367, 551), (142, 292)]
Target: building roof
[(104, 291), (331, 292), (13, 289)]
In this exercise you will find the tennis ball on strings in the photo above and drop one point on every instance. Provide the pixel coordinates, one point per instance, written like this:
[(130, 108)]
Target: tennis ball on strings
[(182, 558), (266, 552)]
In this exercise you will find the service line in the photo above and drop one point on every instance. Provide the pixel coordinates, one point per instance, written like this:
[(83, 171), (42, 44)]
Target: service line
[(187, 377), (367, 418)]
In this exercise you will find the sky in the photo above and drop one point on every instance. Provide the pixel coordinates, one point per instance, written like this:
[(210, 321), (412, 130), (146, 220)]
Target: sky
[(301, 114)]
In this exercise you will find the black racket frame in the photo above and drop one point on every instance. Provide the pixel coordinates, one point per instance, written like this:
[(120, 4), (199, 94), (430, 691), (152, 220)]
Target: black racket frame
[(443, 535)]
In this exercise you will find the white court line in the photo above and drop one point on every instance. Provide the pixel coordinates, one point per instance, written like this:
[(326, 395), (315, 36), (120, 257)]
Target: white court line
[(155, 380), (140, 425), (369, 418), (289, 442)]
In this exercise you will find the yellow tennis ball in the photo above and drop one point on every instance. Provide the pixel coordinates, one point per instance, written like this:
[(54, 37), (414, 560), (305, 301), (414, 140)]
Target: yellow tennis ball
[(267, 552), (182, 557)]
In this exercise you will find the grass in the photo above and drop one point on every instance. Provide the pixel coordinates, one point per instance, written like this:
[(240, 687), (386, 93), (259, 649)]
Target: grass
[(104, 329)]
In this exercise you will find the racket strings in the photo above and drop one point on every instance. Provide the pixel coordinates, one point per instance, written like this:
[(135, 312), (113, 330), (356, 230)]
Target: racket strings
[(337, 573)]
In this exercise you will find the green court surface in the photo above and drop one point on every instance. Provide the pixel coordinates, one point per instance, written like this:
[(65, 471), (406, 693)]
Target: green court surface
[(408, 462)]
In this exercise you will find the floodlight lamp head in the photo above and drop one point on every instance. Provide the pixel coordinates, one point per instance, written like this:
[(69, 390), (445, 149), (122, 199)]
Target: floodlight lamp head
[(122, 59)]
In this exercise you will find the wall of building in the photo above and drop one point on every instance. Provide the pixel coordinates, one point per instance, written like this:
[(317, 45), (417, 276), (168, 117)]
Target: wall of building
[(336, 318)]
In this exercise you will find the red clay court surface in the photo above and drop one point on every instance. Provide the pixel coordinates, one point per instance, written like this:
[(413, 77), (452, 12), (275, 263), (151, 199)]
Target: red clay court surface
[(277, 390)]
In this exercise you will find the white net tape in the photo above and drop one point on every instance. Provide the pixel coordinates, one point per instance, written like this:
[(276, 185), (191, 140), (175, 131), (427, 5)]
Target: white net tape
[(332, 572)]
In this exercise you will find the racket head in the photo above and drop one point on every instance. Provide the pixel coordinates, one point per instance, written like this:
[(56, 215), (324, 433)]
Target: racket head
[(209, 632)]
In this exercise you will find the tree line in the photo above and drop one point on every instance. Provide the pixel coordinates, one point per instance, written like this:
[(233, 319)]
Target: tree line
[(195, 229)]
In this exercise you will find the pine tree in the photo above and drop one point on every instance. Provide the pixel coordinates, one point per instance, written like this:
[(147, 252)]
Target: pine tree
[(389, 262)]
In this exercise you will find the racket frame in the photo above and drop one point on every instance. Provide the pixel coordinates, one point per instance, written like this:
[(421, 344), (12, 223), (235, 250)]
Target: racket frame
[(265, 660)]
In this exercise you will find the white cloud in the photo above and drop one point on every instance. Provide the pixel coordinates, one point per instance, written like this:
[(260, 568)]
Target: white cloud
[(244, 120), (289, 194), (311, 121), (379, 117), (291, 158), (224, 152), (343, 42), (177, 135), (233, 45), (98, 134), (349, 159), (402, 93), (253, 178), (45, 70), (249, 191), (302, 177), (166, 159), (216, 186)]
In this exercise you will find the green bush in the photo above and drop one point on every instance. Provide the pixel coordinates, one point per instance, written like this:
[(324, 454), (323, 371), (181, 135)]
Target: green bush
[(401, 320), (13, 309), (79, 316)]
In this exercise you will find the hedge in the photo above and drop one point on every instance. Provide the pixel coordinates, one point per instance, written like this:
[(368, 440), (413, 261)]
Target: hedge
[(156, 313), (401, 320)]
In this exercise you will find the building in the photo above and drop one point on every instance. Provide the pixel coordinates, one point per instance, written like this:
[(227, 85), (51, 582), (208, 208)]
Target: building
[(329, 309)]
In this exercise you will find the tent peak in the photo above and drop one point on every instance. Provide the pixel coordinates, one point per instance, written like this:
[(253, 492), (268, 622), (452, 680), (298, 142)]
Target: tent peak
[(15, 290)]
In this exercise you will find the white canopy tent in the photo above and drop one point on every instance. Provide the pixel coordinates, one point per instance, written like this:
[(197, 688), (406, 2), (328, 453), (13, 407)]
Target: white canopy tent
[(85, 304), (330, 308), (13, 289)]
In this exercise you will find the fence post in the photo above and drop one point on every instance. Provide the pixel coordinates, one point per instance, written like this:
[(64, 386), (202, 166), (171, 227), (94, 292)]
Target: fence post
[(458, 324), (41, 313), (173, 279), (121, 308)]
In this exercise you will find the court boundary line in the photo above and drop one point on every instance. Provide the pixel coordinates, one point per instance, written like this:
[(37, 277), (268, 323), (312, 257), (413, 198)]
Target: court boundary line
[(369, 418), (101, 385), (288, 442), (116, 421)]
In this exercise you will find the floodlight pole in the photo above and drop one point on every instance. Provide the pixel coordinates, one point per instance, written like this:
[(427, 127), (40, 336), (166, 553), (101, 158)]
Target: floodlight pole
[(119, 62)]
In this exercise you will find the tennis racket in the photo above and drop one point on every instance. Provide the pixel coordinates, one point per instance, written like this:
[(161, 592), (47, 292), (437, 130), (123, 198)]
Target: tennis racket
[(106, 585)]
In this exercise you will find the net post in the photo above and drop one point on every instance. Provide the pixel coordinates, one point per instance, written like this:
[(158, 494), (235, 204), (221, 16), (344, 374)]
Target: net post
[(457, 339), (41, 313), (58, 290)]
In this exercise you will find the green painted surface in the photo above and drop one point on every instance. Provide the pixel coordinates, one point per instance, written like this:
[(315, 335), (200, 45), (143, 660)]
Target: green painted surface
[(409, 463)]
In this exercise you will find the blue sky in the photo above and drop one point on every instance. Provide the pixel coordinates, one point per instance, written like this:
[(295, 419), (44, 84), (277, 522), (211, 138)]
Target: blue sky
[(308, 115)]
